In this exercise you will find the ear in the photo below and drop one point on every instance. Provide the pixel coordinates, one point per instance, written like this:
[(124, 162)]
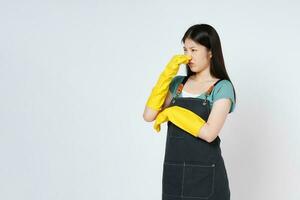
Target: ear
[(210, 54)]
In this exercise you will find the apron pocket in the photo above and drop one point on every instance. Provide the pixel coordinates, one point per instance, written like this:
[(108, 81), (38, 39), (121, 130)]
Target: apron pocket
[(172, 179), (198, 180)]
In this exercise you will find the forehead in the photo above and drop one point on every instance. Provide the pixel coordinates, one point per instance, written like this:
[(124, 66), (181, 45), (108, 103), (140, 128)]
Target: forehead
[(188, 43)]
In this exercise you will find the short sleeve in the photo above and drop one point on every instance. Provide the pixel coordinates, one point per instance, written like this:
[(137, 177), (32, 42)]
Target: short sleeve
[(224, 90), (174, 84)]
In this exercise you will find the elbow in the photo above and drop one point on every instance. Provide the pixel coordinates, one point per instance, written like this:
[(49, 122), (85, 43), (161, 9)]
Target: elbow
[(149, 115), (211, 137), (147, 118), (207, 134)]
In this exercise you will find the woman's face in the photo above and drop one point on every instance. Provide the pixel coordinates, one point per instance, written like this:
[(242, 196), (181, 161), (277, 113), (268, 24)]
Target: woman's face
[(199, 53)]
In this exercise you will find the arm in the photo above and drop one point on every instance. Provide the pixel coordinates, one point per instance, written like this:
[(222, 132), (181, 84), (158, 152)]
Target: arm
[(160, 91), (216, 120), (149, 114), (194, 124)]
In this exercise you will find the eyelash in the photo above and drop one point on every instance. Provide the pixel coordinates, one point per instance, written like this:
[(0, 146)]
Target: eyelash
[(192, 50)]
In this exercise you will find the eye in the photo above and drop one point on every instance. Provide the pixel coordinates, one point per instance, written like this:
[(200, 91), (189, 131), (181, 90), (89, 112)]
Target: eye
[(194, 49)]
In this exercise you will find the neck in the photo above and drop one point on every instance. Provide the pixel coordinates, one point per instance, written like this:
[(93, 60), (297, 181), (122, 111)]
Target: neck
[(203, 75)]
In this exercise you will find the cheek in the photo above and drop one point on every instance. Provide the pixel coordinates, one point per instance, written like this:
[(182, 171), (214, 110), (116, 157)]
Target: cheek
[(198, 57), (201, 60), (202, 57)]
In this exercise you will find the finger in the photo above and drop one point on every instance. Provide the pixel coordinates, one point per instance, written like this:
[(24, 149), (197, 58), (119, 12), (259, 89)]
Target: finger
[(184, 59), (157, 127)]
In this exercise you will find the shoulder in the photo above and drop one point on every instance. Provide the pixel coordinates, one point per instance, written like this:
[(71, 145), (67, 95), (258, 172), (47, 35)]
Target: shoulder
[(224, 90), (178, 78), (175, 82), (223, 84)]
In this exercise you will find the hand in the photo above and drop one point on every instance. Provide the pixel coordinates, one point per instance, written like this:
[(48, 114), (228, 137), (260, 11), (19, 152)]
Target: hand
[(161, 118), (177, 60), (181, 117), (160, 90)]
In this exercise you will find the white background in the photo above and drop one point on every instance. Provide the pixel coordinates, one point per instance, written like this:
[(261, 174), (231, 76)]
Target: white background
[(75, 76)]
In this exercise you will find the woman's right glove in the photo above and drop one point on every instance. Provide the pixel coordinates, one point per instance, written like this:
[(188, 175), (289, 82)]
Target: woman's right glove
[(160, 90)]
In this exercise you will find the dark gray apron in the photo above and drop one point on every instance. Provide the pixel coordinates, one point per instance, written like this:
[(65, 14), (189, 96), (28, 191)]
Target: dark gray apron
[(193, 168)]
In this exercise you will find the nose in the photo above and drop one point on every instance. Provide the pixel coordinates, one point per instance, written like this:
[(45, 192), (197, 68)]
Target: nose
[(188, 53)]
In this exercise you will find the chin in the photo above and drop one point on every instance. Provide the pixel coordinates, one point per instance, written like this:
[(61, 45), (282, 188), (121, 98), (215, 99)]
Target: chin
[(194, 69)]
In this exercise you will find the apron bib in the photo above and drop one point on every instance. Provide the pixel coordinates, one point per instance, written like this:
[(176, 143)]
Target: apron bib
[(193, 168)]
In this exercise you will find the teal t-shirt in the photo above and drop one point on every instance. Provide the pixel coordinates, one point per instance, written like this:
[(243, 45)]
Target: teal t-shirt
[(224, 89)]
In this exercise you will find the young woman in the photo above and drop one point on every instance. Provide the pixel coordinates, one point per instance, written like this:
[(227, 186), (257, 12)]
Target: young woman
[(195, 108)]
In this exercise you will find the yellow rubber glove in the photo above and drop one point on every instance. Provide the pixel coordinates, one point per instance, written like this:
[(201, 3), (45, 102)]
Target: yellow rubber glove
[(181, 117), (160, 90)]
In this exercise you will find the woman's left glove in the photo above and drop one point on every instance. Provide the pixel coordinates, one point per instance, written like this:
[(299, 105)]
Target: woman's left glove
[(181, 117)]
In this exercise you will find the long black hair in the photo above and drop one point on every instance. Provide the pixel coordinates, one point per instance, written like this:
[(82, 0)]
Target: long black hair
[(207, 36)]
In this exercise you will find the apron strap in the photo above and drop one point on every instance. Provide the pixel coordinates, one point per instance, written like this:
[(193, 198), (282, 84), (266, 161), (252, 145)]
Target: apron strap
[(180, 86), (212, 87)]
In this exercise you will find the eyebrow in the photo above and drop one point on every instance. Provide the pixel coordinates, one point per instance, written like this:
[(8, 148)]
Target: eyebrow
[(190, 47)]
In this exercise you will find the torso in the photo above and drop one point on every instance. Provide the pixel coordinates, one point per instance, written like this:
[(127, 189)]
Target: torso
[(193, 87)]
